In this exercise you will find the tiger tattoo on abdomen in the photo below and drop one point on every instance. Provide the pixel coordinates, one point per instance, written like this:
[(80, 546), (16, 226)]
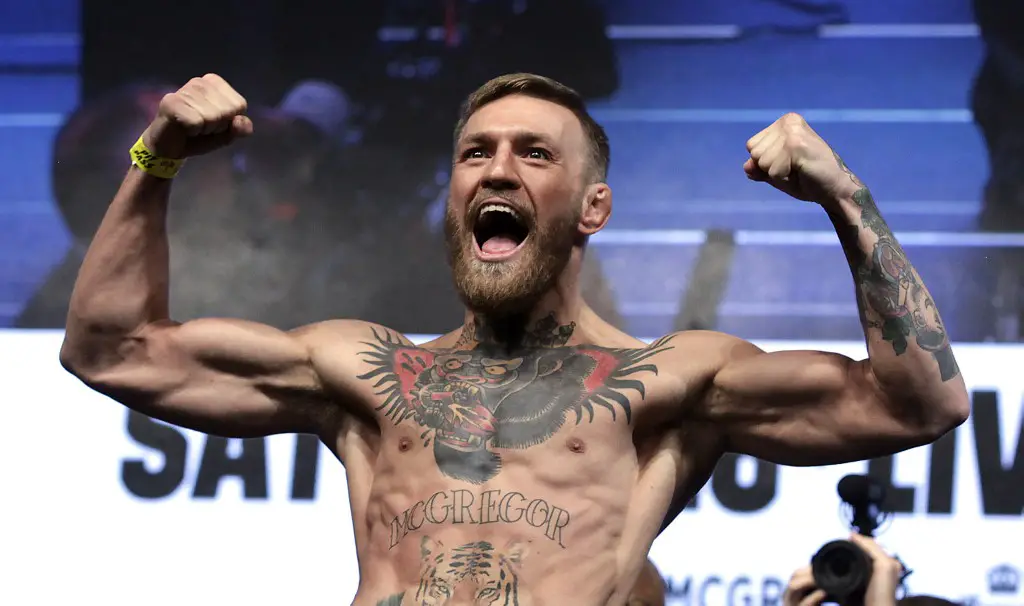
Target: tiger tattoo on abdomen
[(476, 571)]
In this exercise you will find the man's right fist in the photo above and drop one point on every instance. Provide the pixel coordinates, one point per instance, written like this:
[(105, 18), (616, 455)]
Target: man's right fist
[(202, 116)]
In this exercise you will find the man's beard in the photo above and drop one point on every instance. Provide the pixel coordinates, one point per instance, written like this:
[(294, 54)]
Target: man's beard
[(507, 288)]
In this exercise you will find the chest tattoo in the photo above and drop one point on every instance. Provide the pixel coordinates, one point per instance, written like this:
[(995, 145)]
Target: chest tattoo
[(472, 401)]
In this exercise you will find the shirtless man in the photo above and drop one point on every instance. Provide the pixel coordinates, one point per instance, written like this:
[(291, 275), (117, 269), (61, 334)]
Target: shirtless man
[(532, 455)]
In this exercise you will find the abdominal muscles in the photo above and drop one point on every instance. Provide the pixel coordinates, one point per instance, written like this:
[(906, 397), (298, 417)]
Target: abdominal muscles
[(495, 545)]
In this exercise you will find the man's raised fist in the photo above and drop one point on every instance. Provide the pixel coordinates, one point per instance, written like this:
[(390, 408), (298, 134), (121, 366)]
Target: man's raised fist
[(204, 115)]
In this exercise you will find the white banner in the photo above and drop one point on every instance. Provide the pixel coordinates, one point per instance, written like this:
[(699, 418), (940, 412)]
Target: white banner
[(129, 513)]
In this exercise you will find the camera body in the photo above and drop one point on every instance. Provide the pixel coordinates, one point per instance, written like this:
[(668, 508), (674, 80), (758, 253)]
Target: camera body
[(841, 568)]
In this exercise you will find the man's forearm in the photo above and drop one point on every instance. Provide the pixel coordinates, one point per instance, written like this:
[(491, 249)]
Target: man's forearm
[(896, 309), (122, 285)]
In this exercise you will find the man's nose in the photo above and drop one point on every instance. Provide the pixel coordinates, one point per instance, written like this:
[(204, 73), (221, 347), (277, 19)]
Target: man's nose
[(501, 173)]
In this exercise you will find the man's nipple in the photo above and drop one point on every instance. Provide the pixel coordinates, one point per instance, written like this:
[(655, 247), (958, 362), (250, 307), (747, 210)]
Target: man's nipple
[(576, 445)]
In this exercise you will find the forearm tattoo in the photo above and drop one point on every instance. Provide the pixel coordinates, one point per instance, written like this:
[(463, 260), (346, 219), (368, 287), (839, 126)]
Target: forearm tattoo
[(891, 296)]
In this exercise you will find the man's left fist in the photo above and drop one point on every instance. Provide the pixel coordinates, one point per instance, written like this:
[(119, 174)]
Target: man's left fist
[(794, 159)]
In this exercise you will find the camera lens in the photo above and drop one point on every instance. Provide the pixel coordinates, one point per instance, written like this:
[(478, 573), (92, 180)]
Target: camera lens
[(839, 564), (841, 569)]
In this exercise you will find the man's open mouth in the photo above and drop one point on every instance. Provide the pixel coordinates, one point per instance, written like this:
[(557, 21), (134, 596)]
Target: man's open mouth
[(498, 232)]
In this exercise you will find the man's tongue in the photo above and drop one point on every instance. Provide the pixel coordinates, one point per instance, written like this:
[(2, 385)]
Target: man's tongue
[(496, 245)]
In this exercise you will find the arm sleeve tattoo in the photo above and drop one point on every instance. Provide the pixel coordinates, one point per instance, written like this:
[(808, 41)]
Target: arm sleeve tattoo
[(896, 310)]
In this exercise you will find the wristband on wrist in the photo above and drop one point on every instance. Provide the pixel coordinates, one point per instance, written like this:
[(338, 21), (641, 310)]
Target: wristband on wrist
[(150, 163)]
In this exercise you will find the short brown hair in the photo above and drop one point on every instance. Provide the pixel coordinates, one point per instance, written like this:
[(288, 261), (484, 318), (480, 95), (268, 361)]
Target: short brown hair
[(540, 87)]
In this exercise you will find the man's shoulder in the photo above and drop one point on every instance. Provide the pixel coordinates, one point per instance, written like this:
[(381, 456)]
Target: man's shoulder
[(344, 351), (711, 348), (346, 333), (710, 339)]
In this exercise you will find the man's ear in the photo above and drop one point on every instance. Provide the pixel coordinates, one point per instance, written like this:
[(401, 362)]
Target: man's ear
[(597, 208)]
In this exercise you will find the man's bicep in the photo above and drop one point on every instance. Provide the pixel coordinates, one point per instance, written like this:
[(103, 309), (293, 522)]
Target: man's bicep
[(226, 377), (804, 408)]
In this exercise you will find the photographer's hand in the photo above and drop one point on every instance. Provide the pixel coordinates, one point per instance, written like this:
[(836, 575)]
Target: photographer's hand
[(801, 590), (886, 573)]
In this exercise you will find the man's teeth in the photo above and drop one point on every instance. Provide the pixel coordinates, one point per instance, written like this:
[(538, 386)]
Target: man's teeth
[(498, 208)]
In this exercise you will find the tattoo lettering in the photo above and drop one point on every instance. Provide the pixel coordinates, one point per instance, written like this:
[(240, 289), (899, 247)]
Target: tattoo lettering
[(470, 402), (890, 294), (492, 507)]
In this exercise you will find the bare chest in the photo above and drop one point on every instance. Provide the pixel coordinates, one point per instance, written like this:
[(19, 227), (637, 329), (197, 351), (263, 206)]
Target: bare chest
[(537, 493), (475, 412)]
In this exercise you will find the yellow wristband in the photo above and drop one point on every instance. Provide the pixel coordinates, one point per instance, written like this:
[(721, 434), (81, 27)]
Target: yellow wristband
[(150, 163)]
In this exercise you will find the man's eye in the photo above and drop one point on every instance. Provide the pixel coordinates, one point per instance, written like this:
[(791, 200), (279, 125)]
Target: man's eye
[(473, 153), (537, 153)]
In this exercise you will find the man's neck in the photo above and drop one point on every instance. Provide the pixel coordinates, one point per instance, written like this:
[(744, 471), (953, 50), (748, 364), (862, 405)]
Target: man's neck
[(552, 322), (516, 333)]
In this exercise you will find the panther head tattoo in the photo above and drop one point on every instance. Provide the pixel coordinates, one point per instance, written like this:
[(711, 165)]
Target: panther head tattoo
[(477, 400)]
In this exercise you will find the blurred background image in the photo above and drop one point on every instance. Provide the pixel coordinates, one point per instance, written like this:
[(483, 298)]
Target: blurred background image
[(334, 209)]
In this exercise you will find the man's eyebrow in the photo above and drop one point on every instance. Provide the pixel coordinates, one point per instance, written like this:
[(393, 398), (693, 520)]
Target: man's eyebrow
[(476, 139), (528, 137), (521, 137)]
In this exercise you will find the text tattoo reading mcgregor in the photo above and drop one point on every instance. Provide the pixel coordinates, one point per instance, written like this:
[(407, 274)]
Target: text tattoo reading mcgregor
[(489, 507)]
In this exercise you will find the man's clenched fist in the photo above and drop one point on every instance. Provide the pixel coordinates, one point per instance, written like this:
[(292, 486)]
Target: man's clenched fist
[(794, 159), (202, 116)]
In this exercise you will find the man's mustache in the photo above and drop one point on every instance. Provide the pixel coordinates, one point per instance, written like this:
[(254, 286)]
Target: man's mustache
[(490, 194), (514, 201)]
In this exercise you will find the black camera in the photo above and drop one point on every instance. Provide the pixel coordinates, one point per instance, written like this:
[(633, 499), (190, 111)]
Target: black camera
[(841, 568)]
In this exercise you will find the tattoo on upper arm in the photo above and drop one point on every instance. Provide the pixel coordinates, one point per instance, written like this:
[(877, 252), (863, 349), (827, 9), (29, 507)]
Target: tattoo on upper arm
[(471, 401), (891, 296)]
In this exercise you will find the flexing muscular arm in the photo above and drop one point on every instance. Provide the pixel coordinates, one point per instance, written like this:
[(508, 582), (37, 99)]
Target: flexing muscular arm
[(219, 376), (813, 408)]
